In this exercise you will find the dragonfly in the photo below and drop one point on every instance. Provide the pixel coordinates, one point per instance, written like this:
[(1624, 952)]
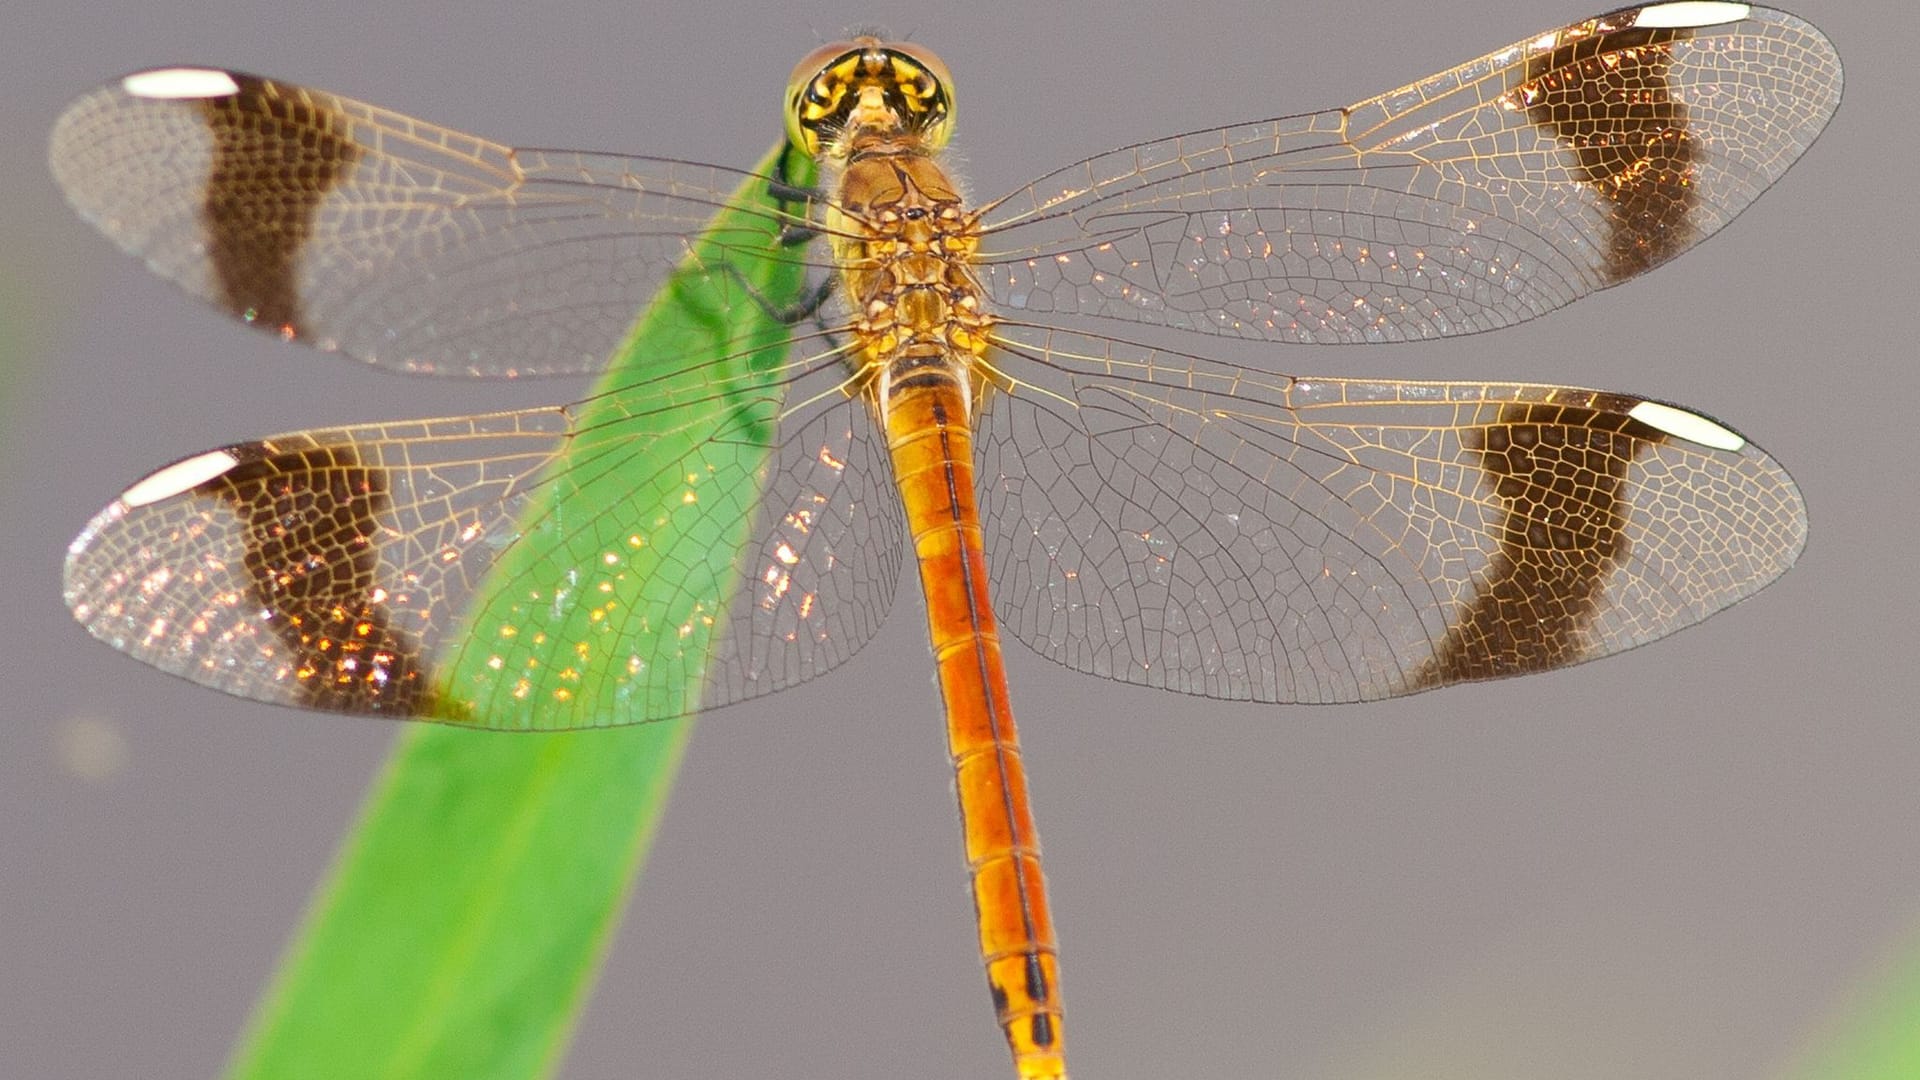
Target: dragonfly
[(950, 384)]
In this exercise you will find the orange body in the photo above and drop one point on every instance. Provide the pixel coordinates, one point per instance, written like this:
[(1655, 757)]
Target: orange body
[(904, 244), (931, 445)]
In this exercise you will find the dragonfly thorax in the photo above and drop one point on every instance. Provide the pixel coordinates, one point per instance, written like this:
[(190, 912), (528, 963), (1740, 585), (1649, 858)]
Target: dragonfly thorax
[(905, 247)]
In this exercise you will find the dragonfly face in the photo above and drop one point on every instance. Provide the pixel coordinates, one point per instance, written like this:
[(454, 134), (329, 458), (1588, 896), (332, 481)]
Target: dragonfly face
[(1154, 515), (839, 90)]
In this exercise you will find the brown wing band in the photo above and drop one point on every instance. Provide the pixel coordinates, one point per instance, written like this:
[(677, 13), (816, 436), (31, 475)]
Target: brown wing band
[(276, 156), (310, 522), (1609, 99), (1556, 474)]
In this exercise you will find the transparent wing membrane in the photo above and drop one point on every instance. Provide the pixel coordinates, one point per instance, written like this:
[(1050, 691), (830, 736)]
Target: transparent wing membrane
[(340, 569), (1473, 199), (395, 241), (1167, 520), (1152, 515), (1476, 198)]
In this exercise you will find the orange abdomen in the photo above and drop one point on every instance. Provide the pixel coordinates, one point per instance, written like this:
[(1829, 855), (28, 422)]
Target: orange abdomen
[(931, 443)]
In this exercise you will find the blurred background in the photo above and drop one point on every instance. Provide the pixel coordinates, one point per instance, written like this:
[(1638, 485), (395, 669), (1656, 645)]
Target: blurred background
[(1697, 860)]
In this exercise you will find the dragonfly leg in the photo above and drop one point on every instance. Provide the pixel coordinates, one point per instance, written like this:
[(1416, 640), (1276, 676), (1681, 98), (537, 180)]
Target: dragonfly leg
[(810, 305), (795, 199)]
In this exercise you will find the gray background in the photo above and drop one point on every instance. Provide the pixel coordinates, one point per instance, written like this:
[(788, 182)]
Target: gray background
[(1682, 862)]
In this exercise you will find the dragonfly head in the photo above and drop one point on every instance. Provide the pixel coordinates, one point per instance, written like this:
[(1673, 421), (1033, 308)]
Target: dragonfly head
[(866, 84)]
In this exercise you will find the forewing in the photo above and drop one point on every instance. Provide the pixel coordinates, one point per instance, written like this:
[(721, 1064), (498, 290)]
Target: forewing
[(395, 241), (641, 555), (1177, 522), (1473, 199)]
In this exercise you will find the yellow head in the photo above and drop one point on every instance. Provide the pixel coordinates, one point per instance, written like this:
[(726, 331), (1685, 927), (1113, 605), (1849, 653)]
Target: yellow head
[(891, 88)]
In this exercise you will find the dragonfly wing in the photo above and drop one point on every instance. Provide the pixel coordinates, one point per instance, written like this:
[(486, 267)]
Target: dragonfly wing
[(1177, 522), (1473, 199), (638, 556), (395, 241)]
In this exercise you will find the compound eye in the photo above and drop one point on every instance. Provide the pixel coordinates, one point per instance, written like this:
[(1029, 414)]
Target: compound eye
[(923, 77), (816, 63), (817, 84), (931, 66)]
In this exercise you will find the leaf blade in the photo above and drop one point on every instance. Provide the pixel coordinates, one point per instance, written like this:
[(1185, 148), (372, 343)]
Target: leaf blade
[(461, 927)]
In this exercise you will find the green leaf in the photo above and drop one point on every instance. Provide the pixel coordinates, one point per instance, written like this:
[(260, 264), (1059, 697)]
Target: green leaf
[(461, 929), (1878, 1037)]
